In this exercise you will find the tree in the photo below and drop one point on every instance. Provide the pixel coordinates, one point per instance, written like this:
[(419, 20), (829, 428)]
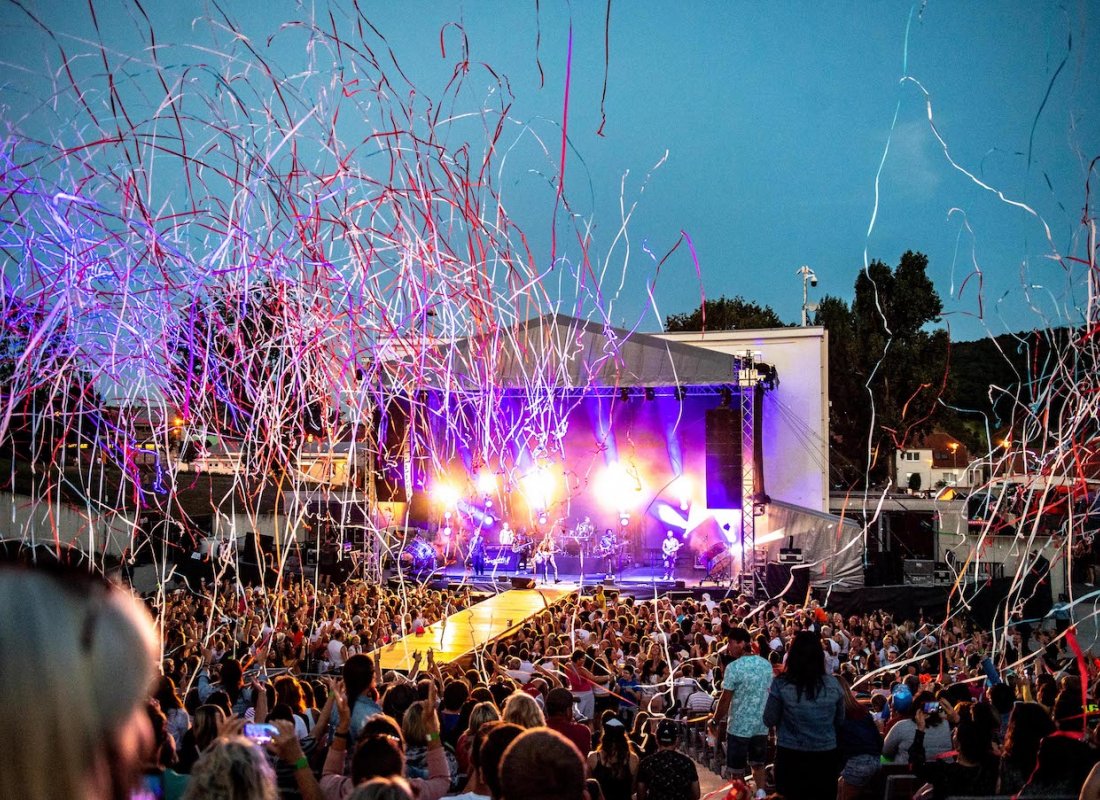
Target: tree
[(46, 399), (725, 314), (887, 373), (914, 482), (248, 364)]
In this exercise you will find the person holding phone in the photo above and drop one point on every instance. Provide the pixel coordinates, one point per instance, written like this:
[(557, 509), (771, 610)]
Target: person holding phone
[(937, 735)]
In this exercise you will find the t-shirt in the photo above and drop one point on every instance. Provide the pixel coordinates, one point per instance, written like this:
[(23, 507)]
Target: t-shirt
[(667, 775), (748, 678), (578, 734)]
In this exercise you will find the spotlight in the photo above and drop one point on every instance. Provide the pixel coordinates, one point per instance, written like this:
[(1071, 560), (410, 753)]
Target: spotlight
[(618, 488), (681, 393), (727, 397), (486, 482), (624, 394), (447, 495), (650, 393), (538, 485)]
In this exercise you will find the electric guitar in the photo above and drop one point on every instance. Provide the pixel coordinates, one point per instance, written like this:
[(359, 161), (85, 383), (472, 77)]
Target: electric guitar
[(670, 546), (544, 554)]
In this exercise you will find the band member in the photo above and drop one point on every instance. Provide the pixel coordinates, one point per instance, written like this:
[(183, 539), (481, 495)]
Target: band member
[(507, 535), (544, 557), (609, 549), (477, 552), (522, 546), (668, 548)]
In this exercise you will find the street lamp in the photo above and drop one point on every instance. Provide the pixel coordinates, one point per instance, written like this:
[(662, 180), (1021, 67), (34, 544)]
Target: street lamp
[(809, 278), (954, 448)]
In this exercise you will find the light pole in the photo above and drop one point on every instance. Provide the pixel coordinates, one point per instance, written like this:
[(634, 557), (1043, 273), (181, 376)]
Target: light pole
[(809, 278), (954, 447)]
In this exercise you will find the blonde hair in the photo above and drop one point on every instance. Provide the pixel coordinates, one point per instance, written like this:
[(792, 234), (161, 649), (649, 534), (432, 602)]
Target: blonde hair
[(232, 768), (412, 725), (480, 714), (522, 709), (77, 662)]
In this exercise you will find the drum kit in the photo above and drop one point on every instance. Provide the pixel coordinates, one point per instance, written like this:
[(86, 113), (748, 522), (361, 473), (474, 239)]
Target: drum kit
[(418, 557), (582, 540)]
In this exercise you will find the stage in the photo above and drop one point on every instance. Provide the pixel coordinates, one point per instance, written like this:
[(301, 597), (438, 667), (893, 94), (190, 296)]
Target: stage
[(461, 633), (636, 579), (633, 577)]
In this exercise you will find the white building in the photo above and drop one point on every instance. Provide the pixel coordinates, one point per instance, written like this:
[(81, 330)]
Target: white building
[(938, 460)]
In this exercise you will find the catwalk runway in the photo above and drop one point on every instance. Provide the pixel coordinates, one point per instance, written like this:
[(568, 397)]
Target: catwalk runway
[(461, 633)]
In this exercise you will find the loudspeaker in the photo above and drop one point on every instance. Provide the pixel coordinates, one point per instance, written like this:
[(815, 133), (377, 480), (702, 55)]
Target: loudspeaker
[(776, 577), (523, 582), (723, 457), (919, 572), (389, 468)]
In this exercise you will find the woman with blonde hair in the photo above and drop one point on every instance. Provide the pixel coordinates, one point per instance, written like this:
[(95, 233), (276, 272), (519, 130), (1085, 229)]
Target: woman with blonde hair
[(520, 708), (77, 662), (232, 768), (416, 728), (481, 713)]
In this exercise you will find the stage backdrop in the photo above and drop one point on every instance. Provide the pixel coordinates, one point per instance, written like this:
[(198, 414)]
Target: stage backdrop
[(610, 460)]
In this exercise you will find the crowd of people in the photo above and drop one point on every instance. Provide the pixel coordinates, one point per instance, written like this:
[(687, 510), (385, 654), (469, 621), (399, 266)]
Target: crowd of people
[(246, 694)]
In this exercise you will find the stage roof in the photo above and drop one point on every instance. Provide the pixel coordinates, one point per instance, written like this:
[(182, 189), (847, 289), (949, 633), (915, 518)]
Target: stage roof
[(561, 352)]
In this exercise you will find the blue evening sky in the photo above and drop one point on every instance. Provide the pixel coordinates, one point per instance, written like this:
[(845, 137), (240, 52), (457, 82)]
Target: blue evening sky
[(774, 117)]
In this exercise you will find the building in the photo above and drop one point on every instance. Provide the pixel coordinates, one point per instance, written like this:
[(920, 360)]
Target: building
[(936, 461)]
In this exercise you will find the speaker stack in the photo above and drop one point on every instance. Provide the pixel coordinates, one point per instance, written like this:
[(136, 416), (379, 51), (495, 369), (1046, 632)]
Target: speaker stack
[(723, 457)]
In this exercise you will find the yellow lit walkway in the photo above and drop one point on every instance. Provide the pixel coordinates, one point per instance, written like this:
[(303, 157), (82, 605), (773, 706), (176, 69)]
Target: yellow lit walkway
[(463, 632)]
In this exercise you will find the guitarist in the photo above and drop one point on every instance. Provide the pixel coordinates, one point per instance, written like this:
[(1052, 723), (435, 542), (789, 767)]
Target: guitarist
[(669, 547), (521, 546), (544, 557)]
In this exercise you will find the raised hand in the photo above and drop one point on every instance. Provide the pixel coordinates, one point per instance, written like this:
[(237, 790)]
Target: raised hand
[(286, 745), (431, 716)]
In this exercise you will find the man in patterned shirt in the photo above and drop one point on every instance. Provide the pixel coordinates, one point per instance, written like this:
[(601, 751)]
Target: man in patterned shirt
[(745, 688), (667, 774)]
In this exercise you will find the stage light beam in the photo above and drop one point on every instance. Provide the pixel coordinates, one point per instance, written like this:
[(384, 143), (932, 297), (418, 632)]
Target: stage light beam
[(538, 485), (486, 483), (447, 495), (619, 489)]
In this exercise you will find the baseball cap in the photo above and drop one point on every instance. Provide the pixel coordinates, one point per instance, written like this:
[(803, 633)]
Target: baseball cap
[(667, 732), (903, 699)]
